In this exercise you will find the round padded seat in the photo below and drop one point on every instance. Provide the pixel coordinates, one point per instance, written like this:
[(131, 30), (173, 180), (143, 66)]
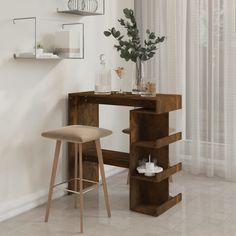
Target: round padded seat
[(77, 133)]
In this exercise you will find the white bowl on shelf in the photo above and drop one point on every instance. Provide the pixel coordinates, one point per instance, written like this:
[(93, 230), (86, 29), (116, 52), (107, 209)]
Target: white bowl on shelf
[(142, 170)]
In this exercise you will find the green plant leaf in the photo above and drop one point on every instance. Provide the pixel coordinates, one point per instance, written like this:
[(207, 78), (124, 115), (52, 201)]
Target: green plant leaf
[(122, 22), (128, 13), (117, 34), (162, 39), (132, 48), (113, 31), (152, 36), (107, 33)]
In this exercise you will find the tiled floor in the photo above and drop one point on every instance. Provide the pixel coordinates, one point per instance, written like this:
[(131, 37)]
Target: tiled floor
[(208, 208)]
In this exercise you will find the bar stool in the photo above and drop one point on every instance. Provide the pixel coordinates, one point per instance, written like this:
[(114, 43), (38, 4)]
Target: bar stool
[(77, 134)]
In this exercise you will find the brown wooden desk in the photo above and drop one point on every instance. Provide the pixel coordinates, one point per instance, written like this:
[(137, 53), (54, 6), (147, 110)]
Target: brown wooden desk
[(149, 134)]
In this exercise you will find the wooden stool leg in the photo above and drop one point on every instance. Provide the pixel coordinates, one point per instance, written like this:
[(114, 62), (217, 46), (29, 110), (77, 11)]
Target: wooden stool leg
[(76, 173), (81, 186), (104, 183), (128, 177), (53, 176)]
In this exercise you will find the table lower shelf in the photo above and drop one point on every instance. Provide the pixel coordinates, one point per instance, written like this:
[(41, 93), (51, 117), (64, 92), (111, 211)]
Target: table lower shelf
[(160, 176), (156, 210)]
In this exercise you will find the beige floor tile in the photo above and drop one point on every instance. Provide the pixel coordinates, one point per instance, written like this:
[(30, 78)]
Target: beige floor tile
[(208, 208)]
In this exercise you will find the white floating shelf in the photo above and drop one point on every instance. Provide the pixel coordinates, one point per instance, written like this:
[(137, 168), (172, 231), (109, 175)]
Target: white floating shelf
[(81, 13), (36, 58), (44, 58)]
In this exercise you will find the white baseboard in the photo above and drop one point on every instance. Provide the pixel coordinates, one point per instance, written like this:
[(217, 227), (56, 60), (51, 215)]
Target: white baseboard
[(34, 200), (22, 205)]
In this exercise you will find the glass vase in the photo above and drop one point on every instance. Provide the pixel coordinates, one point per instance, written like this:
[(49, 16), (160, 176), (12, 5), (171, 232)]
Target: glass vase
[(138, 77)]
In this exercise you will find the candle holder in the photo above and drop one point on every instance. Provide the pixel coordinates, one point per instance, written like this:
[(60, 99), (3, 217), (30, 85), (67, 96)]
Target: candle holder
[(149, 168)]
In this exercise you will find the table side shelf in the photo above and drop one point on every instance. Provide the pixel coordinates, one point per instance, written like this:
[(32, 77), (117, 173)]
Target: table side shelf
[(160, 176), (156, 210), (159, 143)]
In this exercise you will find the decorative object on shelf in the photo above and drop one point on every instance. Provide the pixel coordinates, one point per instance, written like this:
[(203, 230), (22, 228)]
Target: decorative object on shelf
[(72, 4), (132, 48), (76, 5), (83, 7), (120, 71), (75, 50), (39, 49), (90, 5), (103, 78), (149, 168), (67, 43)]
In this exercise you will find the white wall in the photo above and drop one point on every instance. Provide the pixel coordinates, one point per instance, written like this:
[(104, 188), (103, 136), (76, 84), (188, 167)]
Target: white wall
[(33, 98)]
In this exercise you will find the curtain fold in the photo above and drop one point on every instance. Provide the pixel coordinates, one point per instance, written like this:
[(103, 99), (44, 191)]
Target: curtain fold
[(197, 60)]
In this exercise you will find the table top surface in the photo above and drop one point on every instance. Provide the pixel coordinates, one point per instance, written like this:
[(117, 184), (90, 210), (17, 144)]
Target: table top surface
[(125, 95), (160, 103)]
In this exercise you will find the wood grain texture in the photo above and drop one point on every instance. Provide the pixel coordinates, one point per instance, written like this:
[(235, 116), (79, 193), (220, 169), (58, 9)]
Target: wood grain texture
[(161, 103), (160, 176), (148, 192), (81, 113), (113, 158), (159, 143), (149, 134), (156, 210), (127, 131)]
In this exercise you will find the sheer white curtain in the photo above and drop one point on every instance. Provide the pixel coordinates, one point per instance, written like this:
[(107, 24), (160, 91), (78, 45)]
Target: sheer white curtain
[(198, 60)]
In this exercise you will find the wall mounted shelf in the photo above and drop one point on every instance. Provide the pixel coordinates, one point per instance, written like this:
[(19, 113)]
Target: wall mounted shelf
[(51, 56), (83, 12), (35, 58), (80, 13)]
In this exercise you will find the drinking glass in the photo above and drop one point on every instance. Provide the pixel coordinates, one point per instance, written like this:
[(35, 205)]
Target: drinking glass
[(120, 71)]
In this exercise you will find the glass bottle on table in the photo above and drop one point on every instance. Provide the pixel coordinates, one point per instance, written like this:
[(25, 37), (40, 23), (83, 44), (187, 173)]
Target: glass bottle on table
[(103, 78)]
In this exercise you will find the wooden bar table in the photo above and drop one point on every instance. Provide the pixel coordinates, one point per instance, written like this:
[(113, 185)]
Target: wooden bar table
[(149, 134)]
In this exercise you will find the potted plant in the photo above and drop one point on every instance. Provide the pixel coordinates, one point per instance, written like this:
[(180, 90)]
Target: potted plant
[(131, 47), (39, 48)]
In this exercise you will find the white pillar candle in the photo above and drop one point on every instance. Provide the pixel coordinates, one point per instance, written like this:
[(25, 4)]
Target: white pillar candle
[(150, 166)]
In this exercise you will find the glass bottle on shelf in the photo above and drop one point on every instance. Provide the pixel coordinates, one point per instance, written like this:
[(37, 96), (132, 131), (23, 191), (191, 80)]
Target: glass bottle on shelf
[(103, 78)]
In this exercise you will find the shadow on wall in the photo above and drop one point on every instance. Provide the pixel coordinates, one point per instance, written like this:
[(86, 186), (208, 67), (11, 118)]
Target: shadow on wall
[(31, 99)]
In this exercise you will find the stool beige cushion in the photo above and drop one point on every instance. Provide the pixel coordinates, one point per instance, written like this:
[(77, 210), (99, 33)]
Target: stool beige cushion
[(77, 133)]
